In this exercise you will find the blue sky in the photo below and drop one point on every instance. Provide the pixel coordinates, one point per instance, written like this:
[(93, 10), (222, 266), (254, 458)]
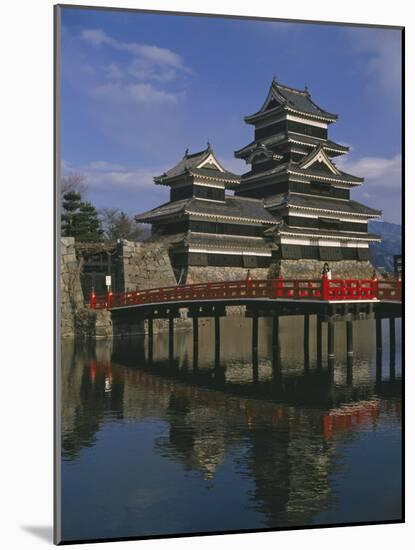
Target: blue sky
[(137, 89)]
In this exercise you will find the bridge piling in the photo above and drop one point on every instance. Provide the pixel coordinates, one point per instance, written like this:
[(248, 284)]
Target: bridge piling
[(217, 340), (255, 369), (392, 348), (171, 337), (319, 334), (378, 334), (150, 339), (330, 340), (276, 351), (195, 341), (306, 342), (349, 337), (378, 349)]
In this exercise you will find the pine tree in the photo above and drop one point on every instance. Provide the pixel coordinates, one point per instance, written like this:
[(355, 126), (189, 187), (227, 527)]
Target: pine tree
[(80, 219), (89, 223), (71, 204)]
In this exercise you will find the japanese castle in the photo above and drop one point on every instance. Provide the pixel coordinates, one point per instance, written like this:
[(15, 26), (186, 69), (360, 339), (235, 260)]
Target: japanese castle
[(287, 215)]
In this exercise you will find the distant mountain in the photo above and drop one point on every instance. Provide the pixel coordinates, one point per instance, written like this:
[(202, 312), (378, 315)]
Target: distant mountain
[(382, 253)]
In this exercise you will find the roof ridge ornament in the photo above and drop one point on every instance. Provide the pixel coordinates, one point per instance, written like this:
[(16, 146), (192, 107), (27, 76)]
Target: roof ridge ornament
[(186, 153)]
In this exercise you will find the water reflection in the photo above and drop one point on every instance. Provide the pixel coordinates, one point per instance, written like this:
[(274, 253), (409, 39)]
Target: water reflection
[(270, 428)]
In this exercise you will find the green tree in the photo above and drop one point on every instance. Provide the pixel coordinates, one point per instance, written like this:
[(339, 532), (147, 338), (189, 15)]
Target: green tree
[(80, 219), (71, 204), (89, 223)]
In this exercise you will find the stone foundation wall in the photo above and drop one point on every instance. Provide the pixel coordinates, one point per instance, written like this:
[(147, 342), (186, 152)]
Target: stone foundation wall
[(76, 319), (93, 324), (72, 298), (311, 269), (196, 274), (146, 265)]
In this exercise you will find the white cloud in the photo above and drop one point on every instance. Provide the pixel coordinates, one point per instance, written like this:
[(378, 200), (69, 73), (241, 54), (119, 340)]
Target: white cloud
[(149, 94), (109, 176), (140, 78), (382, 186), (103, 165), (96, 36), (144, 53), (138, 93), (382, 49), (379, 173), (113, 72)]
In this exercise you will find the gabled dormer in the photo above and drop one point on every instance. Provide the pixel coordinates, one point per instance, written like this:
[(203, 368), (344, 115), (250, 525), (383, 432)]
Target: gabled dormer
[(199, 175), (319, 160)]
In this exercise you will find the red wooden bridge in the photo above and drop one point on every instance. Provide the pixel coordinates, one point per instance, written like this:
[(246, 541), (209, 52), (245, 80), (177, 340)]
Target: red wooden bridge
[(323, 290)]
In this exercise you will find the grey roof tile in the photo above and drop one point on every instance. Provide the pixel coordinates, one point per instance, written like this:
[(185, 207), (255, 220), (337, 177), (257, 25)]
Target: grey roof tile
[(293, 98), (323, 203), (189, 164), (322, 232), (233, 207)]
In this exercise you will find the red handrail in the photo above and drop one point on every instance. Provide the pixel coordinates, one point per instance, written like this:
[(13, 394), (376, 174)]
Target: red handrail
[(323, 289)]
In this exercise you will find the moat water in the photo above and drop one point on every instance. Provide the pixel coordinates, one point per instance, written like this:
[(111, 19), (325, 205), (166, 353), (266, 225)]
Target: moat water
[(177, 447)]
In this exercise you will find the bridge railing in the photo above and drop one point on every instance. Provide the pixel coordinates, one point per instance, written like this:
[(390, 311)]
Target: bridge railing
[(390, 290), (286, 289), (350, 289)]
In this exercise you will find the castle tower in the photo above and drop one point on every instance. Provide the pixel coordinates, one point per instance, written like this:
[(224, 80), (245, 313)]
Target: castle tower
[(293, 172), (211, 235)]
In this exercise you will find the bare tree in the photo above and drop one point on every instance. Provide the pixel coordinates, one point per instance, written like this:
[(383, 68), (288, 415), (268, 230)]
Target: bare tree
[(119, 225), (73, 182)]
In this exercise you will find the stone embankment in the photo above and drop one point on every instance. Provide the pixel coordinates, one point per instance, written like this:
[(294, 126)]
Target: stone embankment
[(77, 320), (144, 265)]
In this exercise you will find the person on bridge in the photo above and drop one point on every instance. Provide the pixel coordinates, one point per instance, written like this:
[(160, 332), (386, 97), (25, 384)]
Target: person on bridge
[(326, 271)]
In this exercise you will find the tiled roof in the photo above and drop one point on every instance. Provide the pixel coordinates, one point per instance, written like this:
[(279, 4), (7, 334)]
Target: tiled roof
[(321, 203), (189, 163), (343, 177), (282, 138), (233, 207), (288, 98), (284, 228), (215, 174), (300, 99)]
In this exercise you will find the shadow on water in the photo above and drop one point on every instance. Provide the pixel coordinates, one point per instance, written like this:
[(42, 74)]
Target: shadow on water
[(267, 424)]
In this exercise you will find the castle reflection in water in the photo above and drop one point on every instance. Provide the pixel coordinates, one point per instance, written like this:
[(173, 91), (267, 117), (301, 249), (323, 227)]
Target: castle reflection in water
[(287, 413)]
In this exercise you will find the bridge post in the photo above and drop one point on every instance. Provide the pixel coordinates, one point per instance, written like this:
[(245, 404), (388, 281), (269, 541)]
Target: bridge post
[(306, 342), (319, 327), (195, 341), (276, 353), (150, 339), (171, 337), (330, 340), (378, 349), (392, 347), (217, 340), (349, 344), (349, 337), (378, 334), (275, 331), (255, 347)]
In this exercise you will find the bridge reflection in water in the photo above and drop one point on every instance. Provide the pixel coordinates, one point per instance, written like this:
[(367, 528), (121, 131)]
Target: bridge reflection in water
[(263, 429)]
